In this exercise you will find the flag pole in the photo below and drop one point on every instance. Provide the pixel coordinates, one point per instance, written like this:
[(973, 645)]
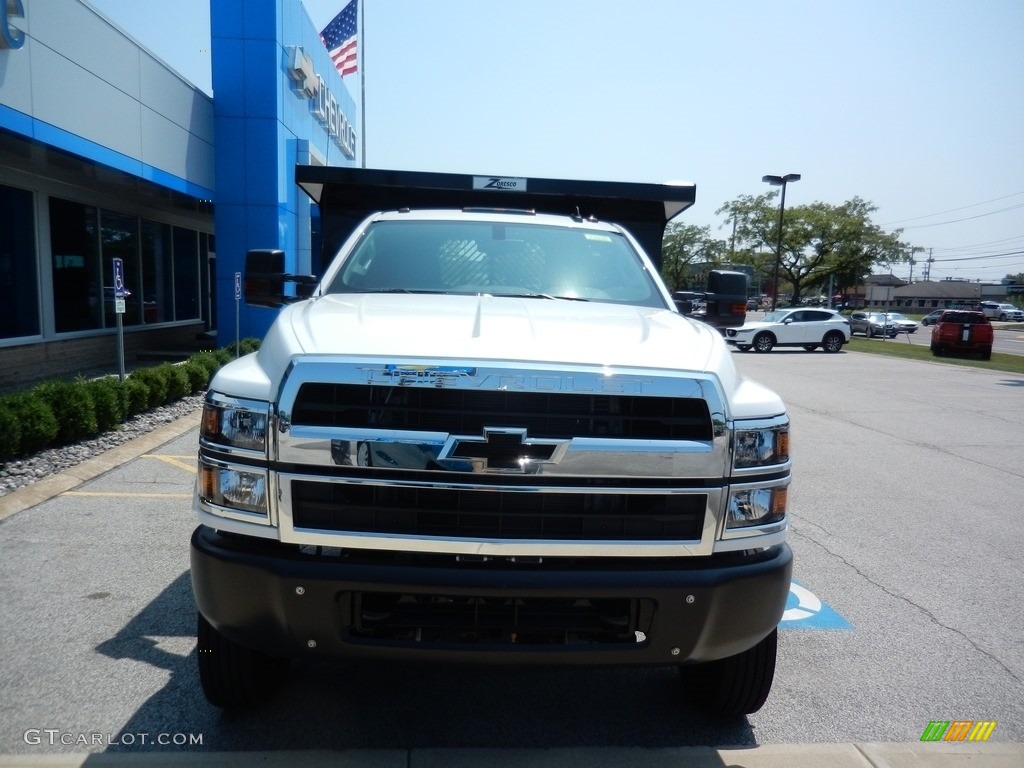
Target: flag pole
[(361, 52)]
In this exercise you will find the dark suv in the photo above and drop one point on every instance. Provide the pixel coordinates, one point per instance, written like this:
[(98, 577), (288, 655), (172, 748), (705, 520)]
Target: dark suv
[(961, 330), (873, 324)]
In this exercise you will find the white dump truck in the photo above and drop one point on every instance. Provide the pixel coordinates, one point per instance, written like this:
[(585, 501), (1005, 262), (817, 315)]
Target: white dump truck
[(485, 434)]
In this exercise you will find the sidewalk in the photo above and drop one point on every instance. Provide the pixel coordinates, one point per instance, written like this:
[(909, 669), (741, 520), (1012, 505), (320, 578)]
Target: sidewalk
[(866, 755), (47, 488)]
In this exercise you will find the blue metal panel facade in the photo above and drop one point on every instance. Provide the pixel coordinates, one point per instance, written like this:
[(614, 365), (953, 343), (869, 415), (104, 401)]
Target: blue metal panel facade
[(276, 91)]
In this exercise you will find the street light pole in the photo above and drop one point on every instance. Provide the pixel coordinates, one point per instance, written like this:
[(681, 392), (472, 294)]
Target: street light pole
[(779, 181)]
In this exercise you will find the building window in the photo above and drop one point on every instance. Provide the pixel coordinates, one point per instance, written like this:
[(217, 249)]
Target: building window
[(19, 311), (157, 277), (77, 277), (186, 274), (119, 239)]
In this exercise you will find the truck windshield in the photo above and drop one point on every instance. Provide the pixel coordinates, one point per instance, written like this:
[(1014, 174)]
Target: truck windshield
[(497, 258)]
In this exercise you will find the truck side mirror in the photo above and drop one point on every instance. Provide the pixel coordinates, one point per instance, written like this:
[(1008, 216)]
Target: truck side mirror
[(265, 278)]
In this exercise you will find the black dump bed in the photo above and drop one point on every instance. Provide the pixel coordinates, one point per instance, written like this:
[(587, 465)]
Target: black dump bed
[(347, 195)]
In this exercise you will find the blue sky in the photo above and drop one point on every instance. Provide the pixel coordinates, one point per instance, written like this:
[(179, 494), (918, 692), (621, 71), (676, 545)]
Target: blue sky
[(914, 105)]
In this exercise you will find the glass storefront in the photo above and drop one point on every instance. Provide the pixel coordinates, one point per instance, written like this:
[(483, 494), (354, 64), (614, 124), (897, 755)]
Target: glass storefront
[(77, 277), (157, 278), (19, 310), (119, 239), (162, 268)]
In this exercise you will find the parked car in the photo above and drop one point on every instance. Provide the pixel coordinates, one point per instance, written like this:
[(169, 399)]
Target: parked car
[(753, 305), (903, 323), (1001, 311), (961, 330), (932, 317), (796, 327), (872, 324)]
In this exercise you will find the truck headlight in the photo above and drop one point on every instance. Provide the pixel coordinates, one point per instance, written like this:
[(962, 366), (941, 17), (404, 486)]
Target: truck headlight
[(240, 489), (235, 423), (761, 447), (756, 506)]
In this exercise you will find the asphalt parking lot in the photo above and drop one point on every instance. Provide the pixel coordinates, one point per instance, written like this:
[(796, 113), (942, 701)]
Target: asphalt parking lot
[(905, 611)]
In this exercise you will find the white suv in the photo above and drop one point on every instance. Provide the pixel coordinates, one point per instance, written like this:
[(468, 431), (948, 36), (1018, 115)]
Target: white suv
[(996, 311)]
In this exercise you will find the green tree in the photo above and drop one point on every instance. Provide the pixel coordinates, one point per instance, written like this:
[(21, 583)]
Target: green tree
[(687, 252), (818, 240)]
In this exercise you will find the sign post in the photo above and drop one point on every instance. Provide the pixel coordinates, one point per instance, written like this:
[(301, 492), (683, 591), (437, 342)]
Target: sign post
[(238, 301), (119, 296)]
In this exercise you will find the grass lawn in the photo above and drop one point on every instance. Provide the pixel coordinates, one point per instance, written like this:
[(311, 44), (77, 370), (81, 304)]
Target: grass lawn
[(898, 347)]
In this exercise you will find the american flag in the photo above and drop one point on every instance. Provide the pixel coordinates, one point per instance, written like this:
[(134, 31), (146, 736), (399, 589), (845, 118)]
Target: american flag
[(340, 38)]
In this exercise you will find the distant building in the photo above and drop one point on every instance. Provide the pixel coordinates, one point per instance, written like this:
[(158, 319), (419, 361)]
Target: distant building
[(928, 295), (875, 291)]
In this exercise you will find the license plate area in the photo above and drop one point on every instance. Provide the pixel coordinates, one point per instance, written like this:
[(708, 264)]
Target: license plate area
[(495, 621)]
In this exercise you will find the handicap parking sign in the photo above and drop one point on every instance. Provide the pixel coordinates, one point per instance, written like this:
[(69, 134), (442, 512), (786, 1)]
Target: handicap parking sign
[(119, 289)]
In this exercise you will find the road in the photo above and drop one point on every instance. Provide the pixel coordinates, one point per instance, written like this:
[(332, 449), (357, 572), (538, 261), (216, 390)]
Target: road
[(906, 495)]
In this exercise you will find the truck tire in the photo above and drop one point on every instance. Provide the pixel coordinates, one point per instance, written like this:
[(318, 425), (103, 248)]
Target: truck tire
[(734, 686), (985, 353), (234, 677), (764, 342), (810, 347), (743, 347), (833, 342)]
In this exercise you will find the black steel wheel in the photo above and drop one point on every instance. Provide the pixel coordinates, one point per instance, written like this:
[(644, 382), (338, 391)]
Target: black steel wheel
[(734, 686), (234, 677)]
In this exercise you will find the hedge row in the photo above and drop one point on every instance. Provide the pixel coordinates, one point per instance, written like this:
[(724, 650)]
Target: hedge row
[(58, 412)]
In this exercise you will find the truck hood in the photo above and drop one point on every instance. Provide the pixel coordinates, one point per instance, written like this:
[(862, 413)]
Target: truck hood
[(488, 327), (407, 327)]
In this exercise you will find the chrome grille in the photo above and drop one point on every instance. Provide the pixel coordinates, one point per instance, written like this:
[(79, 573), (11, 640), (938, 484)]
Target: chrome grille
[(468, 513), (543, 414)]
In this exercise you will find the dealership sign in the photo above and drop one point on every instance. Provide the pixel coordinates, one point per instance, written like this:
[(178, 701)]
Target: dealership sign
[(311, 86), (11, 36)]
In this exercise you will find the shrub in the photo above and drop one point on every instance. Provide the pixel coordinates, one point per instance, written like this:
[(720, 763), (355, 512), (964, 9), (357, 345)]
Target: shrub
[(245, 346), (35, 417), (108, 401), (177, 382), (10, 431), (208, 360), (155, 378), (198, 376), (225, 355), (136, 398), (72, 405)]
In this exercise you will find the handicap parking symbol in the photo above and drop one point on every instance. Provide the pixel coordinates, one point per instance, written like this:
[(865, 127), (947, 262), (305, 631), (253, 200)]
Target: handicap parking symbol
[(805, 610)]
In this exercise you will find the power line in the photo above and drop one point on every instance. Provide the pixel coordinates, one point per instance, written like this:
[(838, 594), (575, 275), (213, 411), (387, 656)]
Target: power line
[(954, 210), (965, 218), (1007, 255), (978, 245)]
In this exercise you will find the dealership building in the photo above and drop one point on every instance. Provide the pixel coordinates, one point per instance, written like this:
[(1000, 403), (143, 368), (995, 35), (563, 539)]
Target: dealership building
[(107, 153)]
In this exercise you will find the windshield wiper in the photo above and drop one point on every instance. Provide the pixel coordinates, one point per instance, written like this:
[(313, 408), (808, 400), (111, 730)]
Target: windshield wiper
[(540, 296)]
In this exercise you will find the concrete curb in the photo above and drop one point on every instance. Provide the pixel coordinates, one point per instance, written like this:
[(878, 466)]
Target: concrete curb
[(860, 755), (64, 481)]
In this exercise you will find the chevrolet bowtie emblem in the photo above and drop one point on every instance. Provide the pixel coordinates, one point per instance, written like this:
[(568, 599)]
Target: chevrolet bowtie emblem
[(504, 449)]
